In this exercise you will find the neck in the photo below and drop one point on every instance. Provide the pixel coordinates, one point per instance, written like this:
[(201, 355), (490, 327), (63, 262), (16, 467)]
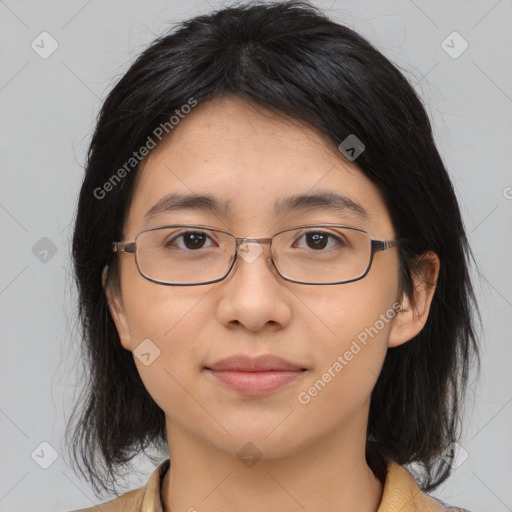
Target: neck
[(328, 474)]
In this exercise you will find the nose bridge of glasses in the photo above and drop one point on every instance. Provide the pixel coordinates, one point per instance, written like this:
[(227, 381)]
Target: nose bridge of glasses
[(243, 240), (249, 249)]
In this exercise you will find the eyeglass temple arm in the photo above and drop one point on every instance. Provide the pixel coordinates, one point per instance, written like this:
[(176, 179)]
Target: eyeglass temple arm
[(384, 245), (124, 247)]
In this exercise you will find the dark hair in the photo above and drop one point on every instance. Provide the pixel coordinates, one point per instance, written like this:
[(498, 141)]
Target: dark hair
[(290, 58)]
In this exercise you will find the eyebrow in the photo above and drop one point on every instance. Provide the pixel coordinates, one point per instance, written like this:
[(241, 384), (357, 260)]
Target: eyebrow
[(330, 201)]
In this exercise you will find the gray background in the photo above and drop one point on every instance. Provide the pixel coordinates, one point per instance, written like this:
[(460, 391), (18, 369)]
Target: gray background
[(48, 107)]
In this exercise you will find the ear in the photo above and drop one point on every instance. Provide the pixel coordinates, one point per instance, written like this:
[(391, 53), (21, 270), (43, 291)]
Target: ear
[(415, 309), (116, 307)]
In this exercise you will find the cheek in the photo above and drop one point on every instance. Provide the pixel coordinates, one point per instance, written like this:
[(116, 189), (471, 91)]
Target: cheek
[(349, 361), (171, 318), (155, 311), (343, 312), (355, 319), (165, 329), (359, 327)]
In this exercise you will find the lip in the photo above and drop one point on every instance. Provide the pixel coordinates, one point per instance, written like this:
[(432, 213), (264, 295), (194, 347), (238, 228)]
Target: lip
[(255, 376), (263, 363)]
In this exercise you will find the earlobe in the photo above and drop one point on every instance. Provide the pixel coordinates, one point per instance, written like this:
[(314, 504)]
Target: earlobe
[(116, 310), (415, 308)]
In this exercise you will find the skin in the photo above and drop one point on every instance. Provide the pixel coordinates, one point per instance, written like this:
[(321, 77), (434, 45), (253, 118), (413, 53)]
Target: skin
[(312, 456)]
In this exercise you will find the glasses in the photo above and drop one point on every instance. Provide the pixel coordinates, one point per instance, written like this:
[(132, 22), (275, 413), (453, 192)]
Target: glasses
[(189, 255)]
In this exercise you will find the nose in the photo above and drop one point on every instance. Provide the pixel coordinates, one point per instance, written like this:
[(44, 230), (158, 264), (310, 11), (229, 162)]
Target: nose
[(253, 294), (252, 249)]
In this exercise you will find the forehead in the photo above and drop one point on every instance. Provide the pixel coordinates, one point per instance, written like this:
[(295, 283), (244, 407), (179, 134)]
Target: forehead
[(251, 161)]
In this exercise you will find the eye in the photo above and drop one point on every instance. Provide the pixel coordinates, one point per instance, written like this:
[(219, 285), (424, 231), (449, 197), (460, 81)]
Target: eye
[(190, 240), (319, 240)]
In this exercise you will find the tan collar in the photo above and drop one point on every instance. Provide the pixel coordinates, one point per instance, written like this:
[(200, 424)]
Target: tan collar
[(152, 501), (401, 492)]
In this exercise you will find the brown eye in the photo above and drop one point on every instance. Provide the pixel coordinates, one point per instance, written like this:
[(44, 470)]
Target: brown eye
[(318, 240), (190, 240)]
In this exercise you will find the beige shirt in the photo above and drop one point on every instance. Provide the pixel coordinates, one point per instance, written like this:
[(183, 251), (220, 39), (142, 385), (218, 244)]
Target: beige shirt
[(401, 494)]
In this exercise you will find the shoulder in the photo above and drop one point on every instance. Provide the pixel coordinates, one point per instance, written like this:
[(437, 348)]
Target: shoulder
[(401, 492), (146, 498)]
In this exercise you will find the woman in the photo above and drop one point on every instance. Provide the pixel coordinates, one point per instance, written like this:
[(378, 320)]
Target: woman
[(273, 275)]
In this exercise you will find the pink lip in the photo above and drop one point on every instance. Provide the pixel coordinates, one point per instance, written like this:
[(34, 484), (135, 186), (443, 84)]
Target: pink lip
[(255, 376)]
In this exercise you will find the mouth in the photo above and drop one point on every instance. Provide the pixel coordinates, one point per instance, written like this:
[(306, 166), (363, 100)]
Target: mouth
[(255, 376)]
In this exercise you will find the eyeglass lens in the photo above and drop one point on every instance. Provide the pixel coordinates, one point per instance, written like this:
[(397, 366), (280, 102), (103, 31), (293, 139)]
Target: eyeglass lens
[(313, 254)]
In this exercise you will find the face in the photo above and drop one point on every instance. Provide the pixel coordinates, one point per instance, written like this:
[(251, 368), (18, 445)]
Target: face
[(251, 159)]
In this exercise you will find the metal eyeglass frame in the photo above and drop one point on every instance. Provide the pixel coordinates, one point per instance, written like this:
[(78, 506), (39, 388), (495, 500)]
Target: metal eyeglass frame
[(376, 245)]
